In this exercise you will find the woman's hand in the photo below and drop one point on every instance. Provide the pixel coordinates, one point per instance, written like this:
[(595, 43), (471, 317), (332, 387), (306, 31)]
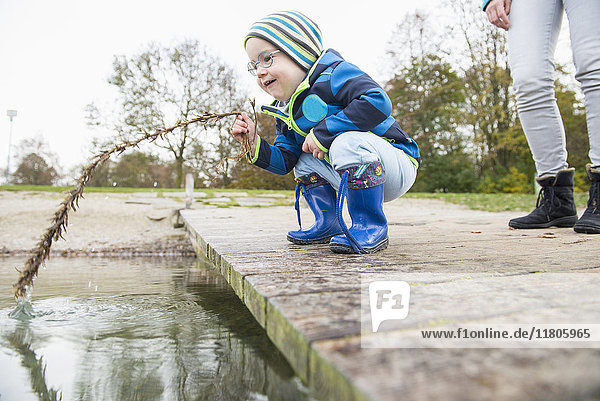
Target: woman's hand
[(497, 12)]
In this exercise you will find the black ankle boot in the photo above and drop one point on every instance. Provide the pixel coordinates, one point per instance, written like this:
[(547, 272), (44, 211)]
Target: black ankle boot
[(555, 204), (589, 223)]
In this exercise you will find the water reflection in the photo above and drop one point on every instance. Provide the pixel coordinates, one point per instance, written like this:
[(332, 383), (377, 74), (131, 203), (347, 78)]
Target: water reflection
[(36, 368), (150, 331)]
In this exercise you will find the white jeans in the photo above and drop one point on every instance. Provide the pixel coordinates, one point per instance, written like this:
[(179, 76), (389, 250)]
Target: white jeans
[(357, 148), (532, 37)]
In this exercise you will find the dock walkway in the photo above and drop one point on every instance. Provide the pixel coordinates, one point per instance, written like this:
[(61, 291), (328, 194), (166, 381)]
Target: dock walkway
[(464, 267)]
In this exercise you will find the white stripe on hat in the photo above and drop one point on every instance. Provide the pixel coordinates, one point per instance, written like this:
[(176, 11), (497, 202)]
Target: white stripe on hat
[(293, 33)]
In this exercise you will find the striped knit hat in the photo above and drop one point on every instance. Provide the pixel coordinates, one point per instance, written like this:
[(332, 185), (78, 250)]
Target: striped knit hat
[(293, 33)]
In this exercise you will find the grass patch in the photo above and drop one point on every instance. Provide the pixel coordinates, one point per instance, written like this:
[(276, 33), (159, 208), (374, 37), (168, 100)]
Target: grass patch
[(492, 202), (250, 192), (48, 188), (475, 201), (160, 191)]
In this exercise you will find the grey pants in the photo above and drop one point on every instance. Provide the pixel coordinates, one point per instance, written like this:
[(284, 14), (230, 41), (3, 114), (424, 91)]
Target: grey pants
[(357, 148), (532, 37)]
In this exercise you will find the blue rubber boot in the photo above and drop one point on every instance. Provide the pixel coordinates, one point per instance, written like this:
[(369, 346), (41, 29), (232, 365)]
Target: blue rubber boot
[(369, 231), (321, 198)]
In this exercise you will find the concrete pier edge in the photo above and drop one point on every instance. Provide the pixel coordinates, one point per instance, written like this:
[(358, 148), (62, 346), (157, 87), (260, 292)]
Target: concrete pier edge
[(320, 375), (464, 267)]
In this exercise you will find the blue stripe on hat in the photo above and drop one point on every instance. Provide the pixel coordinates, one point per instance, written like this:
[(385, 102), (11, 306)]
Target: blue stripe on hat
[(293, 33), (286, 23), (310, 24), (309, 42), (306, 43), (284, 42)]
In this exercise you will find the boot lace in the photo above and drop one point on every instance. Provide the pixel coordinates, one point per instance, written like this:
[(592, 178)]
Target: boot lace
[(300, 188), (594, 196), (547, 199)]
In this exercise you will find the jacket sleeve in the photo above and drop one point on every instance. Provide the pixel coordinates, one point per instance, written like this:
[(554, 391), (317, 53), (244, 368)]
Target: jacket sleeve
[(365, 105), (485, 4), (279, 158)]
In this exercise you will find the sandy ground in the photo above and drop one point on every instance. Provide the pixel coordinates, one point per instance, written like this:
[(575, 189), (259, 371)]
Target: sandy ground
[(105, 224)]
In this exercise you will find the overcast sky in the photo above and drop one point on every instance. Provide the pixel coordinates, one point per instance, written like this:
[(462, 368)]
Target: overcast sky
[(55, 56)]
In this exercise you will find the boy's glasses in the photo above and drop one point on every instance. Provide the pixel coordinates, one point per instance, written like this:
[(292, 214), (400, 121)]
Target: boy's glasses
[(265, 60)]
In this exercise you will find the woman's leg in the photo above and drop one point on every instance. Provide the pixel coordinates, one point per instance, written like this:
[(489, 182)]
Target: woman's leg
[(532, 38), (584, 24), (584, 17)]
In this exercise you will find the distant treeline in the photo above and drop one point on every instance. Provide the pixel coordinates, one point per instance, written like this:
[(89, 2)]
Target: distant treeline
[(450, 88)]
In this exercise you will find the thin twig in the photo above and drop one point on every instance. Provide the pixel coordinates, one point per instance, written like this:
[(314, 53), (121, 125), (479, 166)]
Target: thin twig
[(71, 202), (246, 148)]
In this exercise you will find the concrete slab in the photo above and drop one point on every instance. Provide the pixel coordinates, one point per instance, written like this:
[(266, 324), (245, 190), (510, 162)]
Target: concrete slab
[(464, 267)]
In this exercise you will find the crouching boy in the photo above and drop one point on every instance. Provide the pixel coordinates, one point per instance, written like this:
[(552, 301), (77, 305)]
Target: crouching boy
[(334, 128)]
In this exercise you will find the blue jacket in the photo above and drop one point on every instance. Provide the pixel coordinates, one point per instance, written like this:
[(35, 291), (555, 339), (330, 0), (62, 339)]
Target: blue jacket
[(485, 4), (334, 97)]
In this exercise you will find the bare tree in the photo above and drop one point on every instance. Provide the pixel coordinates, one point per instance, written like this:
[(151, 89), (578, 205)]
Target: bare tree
[(491, 104), (162, 85), (413, 39)]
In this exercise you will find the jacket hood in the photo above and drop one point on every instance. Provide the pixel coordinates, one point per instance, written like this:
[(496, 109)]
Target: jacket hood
[(327, 59)]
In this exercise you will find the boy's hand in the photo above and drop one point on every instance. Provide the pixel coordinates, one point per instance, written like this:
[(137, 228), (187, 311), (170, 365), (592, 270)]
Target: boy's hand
[(243, 125), (497, 12), (310, 146)]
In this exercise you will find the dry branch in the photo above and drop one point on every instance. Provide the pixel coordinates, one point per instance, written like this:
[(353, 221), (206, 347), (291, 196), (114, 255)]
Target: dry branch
[(245, 144), (71, 202)]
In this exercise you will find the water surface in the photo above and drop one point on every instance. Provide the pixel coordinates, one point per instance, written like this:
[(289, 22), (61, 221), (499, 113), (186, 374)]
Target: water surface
[(136, 329)]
